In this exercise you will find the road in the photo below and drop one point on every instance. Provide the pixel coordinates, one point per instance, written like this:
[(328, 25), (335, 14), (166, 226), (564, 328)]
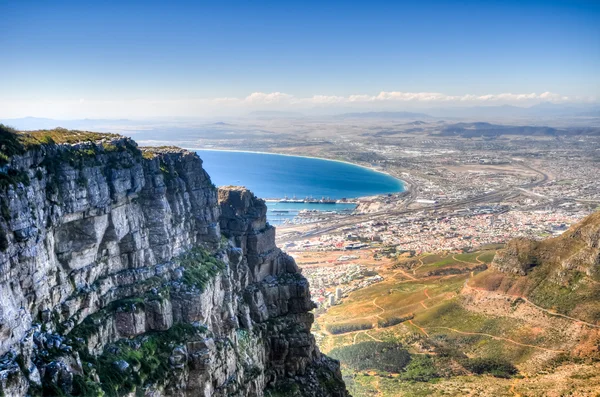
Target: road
[(351, 220)]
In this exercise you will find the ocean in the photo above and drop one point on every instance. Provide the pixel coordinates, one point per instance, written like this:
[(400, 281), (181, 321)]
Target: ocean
[(272, 176)]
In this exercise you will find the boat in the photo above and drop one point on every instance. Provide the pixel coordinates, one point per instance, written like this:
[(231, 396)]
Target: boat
[(292, 200), (307, 200), (327, 200)]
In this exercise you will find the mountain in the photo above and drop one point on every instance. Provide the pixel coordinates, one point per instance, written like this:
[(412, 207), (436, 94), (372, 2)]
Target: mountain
[(383, 115), (274, 114), (124, 271), (562, 273), (478, 129), (521, 319), (546, 110), (38, 123)]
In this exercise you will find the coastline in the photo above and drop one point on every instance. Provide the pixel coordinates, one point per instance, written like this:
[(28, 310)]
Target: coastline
[(405, 185)]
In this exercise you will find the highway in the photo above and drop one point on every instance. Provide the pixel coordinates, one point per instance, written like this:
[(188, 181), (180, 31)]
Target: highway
[(351, 220)]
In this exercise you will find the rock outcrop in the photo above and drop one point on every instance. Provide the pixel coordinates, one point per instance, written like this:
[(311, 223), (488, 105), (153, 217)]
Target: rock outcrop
[(126, 272), (561, 274), (577, 249)]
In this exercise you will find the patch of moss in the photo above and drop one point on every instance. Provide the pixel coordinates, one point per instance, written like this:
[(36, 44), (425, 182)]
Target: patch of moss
[(13, 177), (199, 267), (147, 357)]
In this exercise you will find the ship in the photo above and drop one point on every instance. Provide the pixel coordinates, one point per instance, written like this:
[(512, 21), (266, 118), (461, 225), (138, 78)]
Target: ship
[(307, 200), (292, 200), (323, 200)]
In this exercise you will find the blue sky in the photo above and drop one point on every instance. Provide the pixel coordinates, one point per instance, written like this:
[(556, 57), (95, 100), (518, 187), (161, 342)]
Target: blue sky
[(121, 54)]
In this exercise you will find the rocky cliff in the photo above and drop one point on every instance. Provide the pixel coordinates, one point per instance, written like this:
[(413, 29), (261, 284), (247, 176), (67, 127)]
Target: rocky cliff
[(124, 271)]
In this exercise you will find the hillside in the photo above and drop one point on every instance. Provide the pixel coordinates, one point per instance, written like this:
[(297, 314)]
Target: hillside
[(560, 274), (124, 271), (519, 320)]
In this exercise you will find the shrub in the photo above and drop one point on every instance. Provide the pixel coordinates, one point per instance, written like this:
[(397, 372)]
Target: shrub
[(342, 328), (494, 366), (420, 369), (391, 321), (9, 144), (379, 356)]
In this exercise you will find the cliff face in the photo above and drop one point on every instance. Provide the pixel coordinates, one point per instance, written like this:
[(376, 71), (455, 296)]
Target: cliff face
[(125, 272)]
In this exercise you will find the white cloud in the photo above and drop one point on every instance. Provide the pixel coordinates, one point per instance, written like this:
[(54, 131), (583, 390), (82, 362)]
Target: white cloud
[(271, 98), (80, 108)]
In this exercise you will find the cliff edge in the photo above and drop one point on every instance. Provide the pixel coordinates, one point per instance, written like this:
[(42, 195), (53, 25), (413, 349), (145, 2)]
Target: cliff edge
[(125, 271)]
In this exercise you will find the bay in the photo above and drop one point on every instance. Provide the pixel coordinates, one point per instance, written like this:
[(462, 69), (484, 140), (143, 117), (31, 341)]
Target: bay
[(273, 176)]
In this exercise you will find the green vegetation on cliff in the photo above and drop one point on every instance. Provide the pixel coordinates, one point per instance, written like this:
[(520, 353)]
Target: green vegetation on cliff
[(130, 363), (199, 267)]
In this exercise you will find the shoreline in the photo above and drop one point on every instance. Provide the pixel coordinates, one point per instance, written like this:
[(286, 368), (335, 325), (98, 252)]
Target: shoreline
[(405, 185)]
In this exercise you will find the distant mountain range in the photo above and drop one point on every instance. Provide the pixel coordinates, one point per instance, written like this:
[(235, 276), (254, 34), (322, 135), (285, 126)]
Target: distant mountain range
[(482, 129), (543, 113), (545, 110), (39, 123), (384, 115)]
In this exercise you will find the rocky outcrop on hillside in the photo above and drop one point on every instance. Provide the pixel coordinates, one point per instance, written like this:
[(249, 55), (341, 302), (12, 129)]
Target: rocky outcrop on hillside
[(518, 257), (576, 249), (126, 272), (561, 274)]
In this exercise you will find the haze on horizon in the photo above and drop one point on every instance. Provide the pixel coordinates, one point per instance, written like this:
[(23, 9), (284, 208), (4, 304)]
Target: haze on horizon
[(68, 59)]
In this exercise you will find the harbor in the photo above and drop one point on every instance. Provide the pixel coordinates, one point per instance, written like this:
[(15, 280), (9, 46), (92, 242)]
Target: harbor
[(282, 211)]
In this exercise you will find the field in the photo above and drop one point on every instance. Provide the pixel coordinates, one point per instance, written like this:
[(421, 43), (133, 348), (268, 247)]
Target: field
[(451, 336)]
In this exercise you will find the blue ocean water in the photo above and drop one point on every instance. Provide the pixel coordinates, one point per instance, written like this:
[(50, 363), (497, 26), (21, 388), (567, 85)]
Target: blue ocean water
[(272, 176), (276, 176)]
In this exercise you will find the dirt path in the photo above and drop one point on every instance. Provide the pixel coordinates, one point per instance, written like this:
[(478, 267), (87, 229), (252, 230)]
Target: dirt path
[(380, 308), (514, 385), (405, 274), (372, 337), (421, 329), (498, 338), (421, 264), (468, 263), (559, 314), (366, 333), (550, 312)]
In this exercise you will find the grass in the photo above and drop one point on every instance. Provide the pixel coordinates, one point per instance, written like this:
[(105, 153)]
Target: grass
[(438, 302), (62, 136), (14, 143)]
